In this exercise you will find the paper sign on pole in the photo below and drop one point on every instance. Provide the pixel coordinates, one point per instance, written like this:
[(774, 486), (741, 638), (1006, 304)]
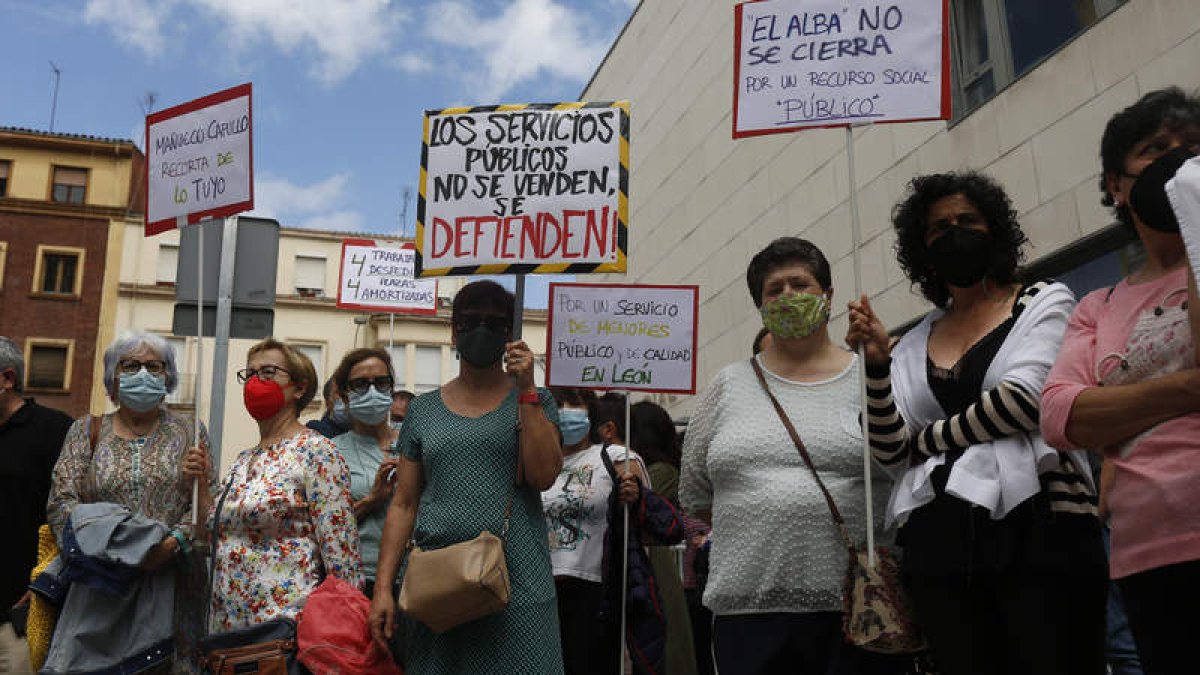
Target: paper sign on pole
[(519, 189), (379, 278), (820, 63), (622, 336), (199, 162)]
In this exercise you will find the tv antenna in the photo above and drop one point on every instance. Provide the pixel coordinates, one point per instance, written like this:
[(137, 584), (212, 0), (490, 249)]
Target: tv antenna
[(404, 212), (54, 96)]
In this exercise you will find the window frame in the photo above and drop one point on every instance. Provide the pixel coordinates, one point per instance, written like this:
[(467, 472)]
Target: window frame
[(6, 179), (309, 291), (67, 343), (87, 183), (323, 346), (43, 250), (413, 385), (3, 260)]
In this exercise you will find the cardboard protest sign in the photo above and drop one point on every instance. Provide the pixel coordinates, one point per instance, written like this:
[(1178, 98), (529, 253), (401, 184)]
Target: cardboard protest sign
[(518, 189), (199, 162), (820, 63), (622, 336), (380, 278)]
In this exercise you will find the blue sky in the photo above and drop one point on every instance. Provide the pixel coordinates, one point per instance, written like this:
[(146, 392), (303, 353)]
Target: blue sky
[(339, 85)]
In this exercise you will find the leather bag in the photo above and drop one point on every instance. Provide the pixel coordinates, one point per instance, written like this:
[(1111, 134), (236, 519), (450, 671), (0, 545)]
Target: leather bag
[(876, 611)]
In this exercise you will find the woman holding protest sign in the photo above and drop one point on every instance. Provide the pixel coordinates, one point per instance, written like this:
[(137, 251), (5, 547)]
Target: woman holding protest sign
[(1126, 382), (778, 561), (1002, 550), (475, 456)]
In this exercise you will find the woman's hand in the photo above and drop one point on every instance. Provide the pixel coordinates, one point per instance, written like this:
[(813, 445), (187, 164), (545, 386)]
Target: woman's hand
[(383, 616), (385, 480), (518, 362), (196, 465), (630, 489), (868, 332), (160, 555)]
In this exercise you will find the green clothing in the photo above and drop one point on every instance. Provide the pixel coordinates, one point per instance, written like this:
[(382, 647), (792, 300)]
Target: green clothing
[(681, 654), (468, 466), (363, 456)]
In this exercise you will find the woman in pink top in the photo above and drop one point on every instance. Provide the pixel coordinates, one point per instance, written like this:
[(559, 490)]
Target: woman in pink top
[(1126, 384)]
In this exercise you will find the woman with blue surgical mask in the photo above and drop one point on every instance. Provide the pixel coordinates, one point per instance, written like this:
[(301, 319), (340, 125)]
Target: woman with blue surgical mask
[(364, 380), (576, 509)]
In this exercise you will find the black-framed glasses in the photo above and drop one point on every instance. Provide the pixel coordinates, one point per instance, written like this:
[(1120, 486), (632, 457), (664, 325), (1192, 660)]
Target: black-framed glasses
[(265, 373), (494, 322), (131, 366), (359, 385)]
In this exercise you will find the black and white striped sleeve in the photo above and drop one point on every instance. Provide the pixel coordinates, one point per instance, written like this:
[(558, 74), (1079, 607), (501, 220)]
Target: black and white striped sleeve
[(886, 429)]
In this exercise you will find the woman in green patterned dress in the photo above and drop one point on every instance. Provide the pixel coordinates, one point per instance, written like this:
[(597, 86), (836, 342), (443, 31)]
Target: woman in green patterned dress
[(459, 450)]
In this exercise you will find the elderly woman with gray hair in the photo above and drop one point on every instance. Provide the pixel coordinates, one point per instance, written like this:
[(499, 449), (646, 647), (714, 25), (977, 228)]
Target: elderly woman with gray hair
[(134, 458)]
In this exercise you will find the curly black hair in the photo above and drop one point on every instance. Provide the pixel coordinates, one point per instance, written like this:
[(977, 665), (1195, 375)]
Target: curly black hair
[(1170, 106), (910, 220)]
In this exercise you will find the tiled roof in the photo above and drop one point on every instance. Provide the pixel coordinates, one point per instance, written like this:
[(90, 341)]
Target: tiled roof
[(56, 134)]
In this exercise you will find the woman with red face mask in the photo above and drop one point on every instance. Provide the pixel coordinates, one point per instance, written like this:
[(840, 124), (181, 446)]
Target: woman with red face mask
[(285, 518)]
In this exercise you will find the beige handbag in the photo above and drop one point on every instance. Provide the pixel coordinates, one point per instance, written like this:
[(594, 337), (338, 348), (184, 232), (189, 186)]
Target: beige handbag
[(450, 586)]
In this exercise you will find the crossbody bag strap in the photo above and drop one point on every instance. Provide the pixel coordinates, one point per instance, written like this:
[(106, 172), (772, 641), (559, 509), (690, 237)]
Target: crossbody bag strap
[(791, 429), (215, 538), (518, 478)]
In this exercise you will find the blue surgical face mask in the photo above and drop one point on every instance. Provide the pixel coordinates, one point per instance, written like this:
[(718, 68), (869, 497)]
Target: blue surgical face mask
[(141, 391), (340, 414), (370, 408), (574, 424)]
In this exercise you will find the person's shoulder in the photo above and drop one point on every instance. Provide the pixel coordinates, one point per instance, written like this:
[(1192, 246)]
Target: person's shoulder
[(46, 414)]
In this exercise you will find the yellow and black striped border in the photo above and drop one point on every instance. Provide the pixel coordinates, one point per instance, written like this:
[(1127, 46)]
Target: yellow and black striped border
[(619, 266)]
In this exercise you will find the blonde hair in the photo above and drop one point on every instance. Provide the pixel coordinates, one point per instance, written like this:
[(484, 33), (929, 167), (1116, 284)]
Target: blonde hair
[(299, 368)]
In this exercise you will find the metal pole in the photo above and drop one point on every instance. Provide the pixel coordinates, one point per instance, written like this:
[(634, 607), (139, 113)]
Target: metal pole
[(856, 230), (181, 222), (216, 414), (518, 306)]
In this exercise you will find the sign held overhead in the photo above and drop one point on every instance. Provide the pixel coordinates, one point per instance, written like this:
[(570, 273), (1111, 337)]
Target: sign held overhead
[(379, 278), (820, 63), (517, 189), (199, 162)]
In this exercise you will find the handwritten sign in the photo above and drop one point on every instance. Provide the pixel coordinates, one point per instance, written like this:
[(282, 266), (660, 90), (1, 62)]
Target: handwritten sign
[(518, 189), (820, 63), (198, 160), (380, 278), (613, 336)]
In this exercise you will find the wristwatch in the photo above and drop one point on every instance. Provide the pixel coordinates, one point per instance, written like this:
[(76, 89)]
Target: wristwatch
[(530, 397)]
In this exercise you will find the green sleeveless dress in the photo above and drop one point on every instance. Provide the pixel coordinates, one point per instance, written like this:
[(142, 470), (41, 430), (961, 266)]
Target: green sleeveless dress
[(468, 466)]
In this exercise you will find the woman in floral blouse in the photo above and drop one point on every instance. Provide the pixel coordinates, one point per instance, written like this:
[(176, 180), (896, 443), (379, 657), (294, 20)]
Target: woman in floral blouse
[(286, 520)]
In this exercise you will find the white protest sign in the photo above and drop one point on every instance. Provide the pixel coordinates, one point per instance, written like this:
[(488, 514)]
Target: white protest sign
[(522, 189), (380, 278), (615, 336), (198, 160), (822, 63)]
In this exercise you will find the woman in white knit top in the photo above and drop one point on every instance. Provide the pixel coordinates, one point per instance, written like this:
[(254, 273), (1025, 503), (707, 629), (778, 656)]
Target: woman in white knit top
[(777, 561)]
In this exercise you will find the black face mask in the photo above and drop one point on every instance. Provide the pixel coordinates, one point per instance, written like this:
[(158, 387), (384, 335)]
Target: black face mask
[(961, 256), (1148, 196), (481, 346)]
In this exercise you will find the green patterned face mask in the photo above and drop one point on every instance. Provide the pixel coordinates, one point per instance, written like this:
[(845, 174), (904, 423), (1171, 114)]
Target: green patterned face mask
[(794, 315)]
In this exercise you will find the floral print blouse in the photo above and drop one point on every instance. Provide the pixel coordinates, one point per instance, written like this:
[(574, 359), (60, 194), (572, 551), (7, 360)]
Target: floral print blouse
[(286, 521)]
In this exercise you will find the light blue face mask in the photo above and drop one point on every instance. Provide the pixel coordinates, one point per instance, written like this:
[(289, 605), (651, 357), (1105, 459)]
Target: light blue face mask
[(339, 414), (141, 391), (574, 424), (370, 408)]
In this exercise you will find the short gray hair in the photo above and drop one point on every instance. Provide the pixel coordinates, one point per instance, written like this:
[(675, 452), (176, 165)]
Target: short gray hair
[(129, 342), (12, 357)]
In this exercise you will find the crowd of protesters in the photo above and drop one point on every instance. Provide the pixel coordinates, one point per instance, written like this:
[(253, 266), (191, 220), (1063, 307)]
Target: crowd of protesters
[(988, 422)]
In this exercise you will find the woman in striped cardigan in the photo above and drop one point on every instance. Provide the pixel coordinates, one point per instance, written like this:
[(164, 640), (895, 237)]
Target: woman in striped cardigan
[(1002, 549)]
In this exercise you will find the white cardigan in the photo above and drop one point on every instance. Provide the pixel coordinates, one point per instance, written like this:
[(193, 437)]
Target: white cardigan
[(997, 475)]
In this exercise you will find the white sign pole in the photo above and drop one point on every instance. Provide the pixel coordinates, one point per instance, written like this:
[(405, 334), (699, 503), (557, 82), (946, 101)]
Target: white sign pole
[(181, 222), (625, 544), (856, 229)]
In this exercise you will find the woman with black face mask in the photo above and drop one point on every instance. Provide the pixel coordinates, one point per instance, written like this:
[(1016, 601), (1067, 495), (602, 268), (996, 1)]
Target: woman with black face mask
[(1002, 549), (1126, 384), (459, 452)]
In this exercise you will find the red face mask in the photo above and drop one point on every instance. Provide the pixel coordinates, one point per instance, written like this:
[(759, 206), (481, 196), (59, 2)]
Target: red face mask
[(263, 398)]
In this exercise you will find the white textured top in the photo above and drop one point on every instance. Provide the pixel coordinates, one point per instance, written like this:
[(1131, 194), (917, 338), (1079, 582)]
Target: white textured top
[(774, 545)]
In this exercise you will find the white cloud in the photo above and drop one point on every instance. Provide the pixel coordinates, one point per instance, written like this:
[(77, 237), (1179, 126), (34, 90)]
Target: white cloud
[(336, 37), (526, 39), (317, 206), (413, 63)]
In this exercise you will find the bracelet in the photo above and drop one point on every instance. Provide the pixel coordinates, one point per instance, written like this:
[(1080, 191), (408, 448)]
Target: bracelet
[(184, 546), (530, 397)]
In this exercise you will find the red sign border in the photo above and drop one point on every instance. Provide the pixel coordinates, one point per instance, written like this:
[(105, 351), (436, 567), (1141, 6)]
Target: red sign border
[(160, 226), (695, 330), (946, 112), (375, 308)]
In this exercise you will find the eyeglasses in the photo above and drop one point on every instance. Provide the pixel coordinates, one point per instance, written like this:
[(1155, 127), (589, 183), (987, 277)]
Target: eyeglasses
[(267, 373), (359, 385), (131, 366), (495, 323)]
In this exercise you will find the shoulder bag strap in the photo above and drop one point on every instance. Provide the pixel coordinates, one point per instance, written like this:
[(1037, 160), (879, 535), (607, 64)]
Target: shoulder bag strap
[(215, 538), (787, 424), (518, 478)]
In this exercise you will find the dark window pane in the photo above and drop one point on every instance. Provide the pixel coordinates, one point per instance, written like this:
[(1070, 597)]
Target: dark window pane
[(980, 90), (47, 367), (58, 273), (1038, 27), (972, 34), (3, 186)]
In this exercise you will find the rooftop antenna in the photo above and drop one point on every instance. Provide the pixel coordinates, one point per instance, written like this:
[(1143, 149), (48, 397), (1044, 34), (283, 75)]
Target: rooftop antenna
[(54, 96), (147, 101), (404, 211)]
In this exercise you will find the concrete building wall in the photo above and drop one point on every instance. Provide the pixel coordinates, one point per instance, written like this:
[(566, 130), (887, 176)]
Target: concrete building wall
[(701, 204)]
